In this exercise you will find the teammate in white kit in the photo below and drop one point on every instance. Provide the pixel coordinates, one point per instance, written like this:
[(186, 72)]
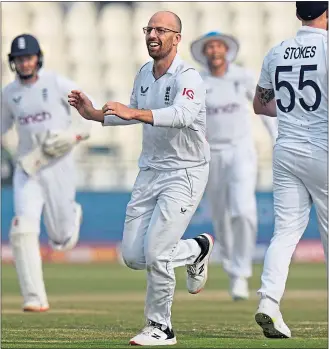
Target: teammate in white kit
[(169, 99), (233, 167), (294, 87), (44, 178)]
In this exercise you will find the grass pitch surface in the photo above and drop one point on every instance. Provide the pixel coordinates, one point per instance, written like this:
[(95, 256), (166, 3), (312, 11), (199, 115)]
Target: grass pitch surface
[(101, 306)]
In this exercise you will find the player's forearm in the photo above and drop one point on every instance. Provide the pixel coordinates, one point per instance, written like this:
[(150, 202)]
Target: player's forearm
[(143, 115), (95, 115), (264, 101), (269, 109)]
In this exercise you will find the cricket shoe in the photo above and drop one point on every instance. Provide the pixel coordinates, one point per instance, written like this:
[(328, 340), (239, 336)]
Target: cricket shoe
[(154, 334), (197, 273), (70, 242), (35, 307), (269, 318), (239, 288)]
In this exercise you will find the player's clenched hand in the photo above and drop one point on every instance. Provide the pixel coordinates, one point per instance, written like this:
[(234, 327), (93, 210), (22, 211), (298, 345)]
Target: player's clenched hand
[(81, 103), (118, 109)]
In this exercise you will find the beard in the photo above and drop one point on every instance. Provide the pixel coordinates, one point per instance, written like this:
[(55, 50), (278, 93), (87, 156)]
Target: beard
[(161, 52)]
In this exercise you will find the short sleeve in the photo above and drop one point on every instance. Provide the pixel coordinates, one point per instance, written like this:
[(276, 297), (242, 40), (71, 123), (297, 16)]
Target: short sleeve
[(250, 83), (265, 80), (133, 98)]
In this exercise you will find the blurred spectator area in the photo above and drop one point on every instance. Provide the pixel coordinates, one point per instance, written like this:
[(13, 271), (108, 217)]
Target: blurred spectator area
[(100, 45)]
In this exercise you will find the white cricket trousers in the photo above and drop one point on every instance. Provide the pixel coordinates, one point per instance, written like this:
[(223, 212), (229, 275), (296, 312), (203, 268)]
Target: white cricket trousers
[(298, 180), (52, 192), (231, 194), (161, 207)]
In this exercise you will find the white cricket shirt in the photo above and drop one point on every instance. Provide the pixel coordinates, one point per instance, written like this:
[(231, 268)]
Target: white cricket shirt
[(177, 100), (36, 107), (228, 110), (297, 70)]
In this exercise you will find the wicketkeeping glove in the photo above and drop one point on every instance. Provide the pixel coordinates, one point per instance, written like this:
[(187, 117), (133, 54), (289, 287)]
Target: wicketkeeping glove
[(59, 143), (36, 159)]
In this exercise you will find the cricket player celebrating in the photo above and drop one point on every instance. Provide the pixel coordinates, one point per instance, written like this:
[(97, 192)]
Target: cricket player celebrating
[(294, 87), (169, 99), (44, 176), (233, 167)]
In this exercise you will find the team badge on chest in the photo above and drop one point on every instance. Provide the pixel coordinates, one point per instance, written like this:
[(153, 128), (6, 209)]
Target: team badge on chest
[(167, 95), (45, 94)]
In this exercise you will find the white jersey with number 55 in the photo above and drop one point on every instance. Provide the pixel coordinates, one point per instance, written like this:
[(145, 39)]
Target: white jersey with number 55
[(297, 71)]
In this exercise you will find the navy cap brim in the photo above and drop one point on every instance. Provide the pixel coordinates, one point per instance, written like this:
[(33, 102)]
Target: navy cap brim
[(19, 54)]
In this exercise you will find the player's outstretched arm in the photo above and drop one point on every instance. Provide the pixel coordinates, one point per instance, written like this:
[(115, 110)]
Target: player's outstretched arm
[(264, 102), (126, 113), (83, 105)]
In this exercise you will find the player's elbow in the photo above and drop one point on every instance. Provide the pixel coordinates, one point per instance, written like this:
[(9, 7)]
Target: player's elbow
[(184, 122), (185, 117), (258, 111)]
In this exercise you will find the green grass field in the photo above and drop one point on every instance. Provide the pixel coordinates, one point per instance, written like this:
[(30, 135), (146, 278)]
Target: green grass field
[(101, 306)]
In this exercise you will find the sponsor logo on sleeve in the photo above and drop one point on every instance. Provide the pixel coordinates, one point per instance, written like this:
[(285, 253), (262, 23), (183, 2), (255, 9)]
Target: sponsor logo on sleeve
[(188, 92)]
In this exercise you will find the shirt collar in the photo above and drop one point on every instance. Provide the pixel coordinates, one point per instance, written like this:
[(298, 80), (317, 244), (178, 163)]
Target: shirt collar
[(173, 67), (207, 71), (304, 30)]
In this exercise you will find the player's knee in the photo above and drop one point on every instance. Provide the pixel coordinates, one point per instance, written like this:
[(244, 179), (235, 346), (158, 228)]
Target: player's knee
[(133, 264), (131, 259), (244, 220), (152, 259), (244, 211), (22, 225)]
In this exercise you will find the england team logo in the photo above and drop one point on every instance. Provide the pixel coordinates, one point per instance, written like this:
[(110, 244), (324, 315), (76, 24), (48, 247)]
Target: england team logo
[(21, 43), (167, 95), (45, 94)]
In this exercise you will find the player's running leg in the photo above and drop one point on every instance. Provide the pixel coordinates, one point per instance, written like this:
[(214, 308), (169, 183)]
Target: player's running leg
[(292, 204), (138, 215), (218, 198), (24, 239), (179, 193), (244, 218), (63, 215), (316, 180)]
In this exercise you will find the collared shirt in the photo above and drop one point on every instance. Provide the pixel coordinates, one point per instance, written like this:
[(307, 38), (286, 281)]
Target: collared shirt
[(37, 108), (297, 70), (228, 107), (177, 101)]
